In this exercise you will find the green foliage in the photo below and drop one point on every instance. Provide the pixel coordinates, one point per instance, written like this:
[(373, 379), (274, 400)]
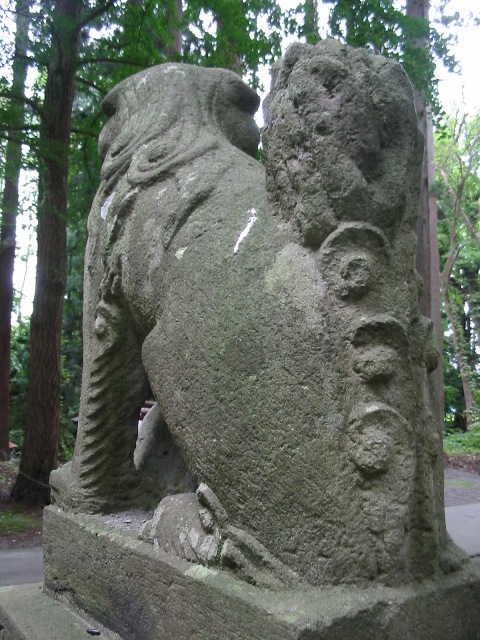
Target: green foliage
[(19, 380), (67, 444), (229, 34), (452, 384), (457, 189), (381, 26), (456, 441), (15, 521), (310, 23)]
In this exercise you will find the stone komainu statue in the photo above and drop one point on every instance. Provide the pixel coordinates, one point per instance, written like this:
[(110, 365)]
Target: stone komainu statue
[(274, 319)]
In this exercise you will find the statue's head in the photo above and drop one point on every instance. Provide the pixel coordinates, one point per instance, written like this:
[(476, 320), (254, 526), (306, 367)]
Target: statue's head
[(154, 116), (334, 126)]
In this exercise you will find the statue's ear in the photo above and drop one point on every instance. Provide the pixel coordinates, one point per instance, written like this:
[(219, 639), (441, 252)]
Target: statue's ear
[(243, 97), (109, 103), (236, 105), (110, 106)]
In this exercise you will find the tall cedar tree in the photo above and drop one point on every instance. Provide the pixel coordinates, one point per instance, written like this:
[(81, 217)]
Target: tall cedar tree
[(40, 448), (428, 261), (10, 198), (310, 23)]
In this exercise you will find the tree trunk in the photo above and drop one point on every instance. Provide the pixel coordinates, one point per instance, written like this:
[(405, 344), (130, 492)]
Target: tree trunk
[(434, 262), (174, 49), (231, 22), (13, 161), (310, 24), (463, 367), (461, 331), (39, 453), (428, 265)]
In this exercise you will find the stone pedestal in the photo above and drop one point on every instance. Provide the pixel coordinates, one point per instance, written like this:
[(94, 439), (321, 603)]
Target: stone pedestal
[(28, 613), (144, 594)]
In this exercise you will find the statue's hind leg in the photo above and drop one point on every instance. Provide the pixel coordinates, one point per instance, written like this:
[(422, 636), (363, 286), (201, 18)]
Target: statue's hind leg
[(102, 474)]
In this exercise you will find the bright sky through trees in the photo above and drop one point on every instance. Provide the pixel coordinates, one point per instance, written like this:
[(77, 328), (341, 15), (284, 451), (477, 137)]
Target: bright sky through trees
[(454, 89)]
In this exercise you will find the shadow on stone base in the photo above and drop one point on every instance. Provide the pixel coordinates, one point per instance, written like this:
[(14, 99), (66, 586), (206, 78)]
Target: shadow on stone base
[(143, 594)]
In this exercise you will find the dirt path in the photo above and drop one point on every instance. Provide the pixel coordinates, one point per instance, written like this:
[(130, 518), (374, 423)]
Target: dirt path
[(461, 487), (29, 537)]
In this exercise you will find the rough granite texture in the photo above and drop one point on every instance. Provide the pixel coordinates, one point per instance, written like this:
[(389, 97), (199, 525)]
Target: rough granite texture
[(274, 317)]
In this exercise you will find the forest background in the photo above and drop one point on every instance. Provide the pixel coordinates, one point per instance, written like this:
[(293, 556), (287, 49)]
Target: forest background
[(58, 60)]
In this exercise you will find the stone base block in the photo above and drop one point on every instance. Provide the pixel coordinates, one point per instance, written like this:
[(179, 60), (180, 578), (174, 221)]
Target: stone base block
[(28, 613), (143, 594)]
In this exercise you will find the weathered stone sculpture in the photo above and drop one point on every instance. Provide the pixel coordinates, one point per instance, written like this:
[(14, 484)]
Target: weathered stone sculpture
[(281, 334), (275, 320)]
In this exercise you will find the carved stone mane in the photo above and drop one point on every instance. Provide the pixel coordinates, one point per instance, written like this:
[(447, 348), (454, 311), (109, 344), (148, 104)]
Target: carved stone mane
[(165, 116), (342, 141)]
